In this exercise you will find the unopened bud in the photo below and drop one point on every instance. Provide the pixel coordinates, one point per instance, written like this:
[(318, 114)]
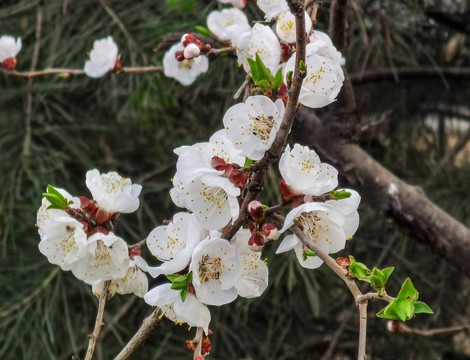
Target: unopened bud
[(200, 358), (190, 345), (396, 326), (257, 240), (117, 64), (135, 252), (271, 231), (103, 216), (343, 262), (10, 63), (87, 204), (218, 164), (179, 55), (287, 193), (256, 211), (191, 51)]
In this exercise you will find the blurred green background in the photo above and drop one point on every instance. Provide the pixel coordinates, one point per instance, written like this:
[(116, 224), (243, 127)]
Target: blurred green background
[(131, 124)]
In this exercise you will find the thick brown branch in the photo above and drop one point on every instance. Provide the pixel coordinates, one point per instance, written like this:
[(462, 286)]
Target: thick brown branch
[(392, 198), (140, 336), (411, 73)]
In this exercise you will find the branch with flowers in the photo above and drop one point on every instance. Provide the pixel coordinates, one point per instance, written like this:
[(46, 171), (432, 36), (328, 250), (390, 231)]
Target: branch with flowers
[(211, 252)]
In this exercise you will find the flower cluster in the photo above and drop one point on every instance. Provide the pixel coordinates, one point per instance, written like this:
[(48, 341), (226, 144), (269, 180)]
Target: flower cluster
[(78, 233)]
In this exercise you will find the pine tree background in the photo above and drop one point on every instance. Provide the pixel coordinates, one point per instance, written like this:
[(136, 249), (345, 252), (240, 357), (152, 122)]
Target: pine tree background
[(54, 129)]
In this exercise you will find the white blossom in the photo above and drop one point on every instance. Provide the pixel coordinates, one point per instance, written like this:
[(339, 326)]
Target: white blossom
[(254, 272), (216, 271), (323, 224), (9, 47), (273, 8), (191, 311), (198, 157), (134, 282), (106, 258), (113, 192), (324, 77), (103, 57), (219, 21), (259, 40), (185, 71), (285, 27), (174, 243), (305, 173), (348, 207), (252, 126)]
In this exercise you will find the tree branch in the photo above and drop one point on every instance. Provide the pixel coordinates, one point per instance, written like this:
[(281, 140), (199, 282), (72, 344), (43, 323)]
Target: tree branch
[(141, 336), (67, 72), (396, 201)]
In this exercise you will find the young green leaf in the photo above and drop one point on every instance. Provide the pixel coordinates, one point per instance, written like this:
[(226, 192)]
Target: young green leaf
[(422, 308), (263, 84), (339, 195), (248, 162), (408, 291), (203, 30), (277, 80), (184, 292), (359, 270), (264, 72), (308, 253), (255, 74), (57, 200), (302, 67)]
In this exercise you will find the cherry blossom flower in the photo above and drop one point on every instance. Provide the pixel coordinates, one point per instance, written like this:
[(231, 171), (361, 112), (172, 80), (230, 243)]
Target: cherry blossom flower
[(259, 40), (63, 239), (348, 207), (134, 282), (252, 126), (254, 272), (9, 48), (285, 27), (219, 21), (103, 58), (213, 200), (106, 258), (324, 224), (174, 243), (190, 311), (324, 74), (216, 271), (305, 173), (198, 157), (113, 192), (185, 71), (273, 8)]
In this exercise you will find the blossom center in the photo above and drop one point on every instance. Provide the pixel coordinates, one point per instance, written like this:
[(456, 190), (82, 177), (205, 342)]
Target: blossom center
[(262, 126), (309, 222), (209, 268), (186, 63)]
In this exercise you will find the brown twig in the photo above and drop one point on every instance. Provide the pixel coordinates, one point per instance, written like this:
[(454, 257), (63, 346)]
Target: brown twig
[(137, 245), (213, 53), (242, 87), (361, 352), (67, 72), (374, 296), (140, 336), (99, 321), (432, 332)]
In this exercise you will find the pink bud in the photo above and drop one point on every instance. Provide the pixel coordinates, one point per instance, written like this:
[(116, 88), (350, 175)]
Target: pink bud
[(191, 51), (135, 252), (179, 55), (117, 64), (257, 240), (256, 211), (271, 231), (218, 164), (10, 63), (343, 262)]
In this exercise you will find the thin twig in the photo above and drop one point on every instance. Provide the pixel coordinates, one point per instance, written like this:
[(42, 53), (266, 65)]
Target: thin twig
[(137, 245), (213, 53), (361, 353), (18, 9), (98, 322), (67, 72), (374, 296), (140, 336), (432, 332), (198, 342), (242, 87)]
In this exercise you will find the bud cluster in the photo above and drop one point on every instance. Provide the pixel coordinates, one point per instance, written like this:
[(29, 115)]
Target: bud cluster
[(261, 232), (193, 47)]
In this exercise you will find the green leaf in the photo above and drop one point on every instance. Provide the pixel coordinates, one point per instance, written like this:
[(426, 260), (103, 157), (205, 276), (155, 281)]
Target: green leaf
[(408, 291), (203, 30), (422, 308), (359, 270), (248, 162), (398, 310), (255, 75), (171, 277), (264, 84), (339, 195), (265, 73), (289, 76), (386, 274), (277, 80), (308, 253), (183, 293), (302, 67), (265, 207), (179, 286), (376, 282), (57, 200)]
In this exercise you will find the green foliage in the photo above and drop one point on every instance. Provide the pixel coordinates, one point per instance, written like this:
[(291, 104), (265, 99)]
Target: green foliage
[(406, 304), (181, 282), (57, 200), (262, 77), (340, 194), (307, 253)]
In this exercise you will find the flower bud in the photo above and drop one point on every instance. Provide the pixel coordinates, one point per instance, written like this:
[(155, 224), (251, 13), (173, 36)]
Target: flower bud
[(287, 193), (256, 211), (271, 231), (117, 64), (179, 55), (396, 326), (10, 63), (135, 252), (86, 204), (218, 164), (103, 216), (257, 240), (343, 262), (191, 51)]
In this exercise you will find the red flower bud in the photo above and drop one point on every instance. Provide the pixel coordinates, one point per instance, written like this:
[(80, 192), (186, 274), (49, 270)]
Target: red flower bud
[(190, 345), (135, 252), (103, 216), (286, 52), (343, 262), (271, 231), (117, 64), (257, 240), (218, 164), (256, 211), (10, 63), (179, 55), (287, 193)]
